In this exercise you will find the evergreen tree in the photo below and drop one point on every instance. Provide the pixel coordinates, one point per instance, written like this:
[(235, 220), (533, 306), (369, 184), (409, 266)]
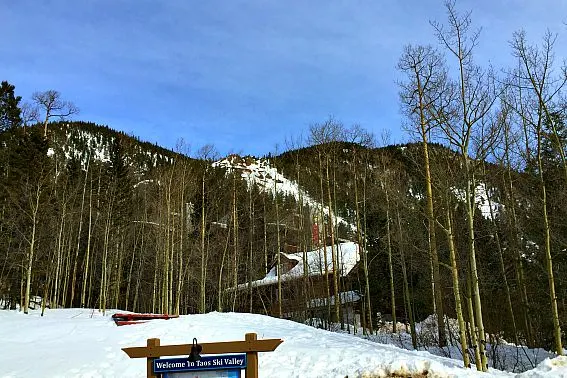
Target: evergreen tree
[(552, 143), (9, 110)]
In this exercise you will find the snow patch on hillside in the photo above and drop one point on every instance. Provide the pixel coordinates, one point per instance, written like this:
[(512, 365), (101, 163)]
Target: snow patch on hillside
[(85, 146), (259, 172), (489, 209)]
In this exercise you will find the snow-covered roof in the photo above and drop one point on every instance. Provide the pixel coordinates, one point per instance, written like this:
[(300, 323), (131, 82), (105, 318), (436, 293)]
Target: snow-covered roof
[(348, 257)]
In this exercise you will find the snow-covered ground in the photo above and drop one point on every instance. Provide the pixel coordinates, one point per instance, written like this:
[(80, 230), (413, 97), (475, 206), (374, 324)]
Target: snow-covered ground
[(83, 343), (501, 354)]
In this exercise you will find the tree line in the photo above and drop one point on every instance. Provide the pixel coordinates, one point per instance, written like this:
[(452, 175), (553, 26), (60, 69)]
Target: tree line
[(466, 222)]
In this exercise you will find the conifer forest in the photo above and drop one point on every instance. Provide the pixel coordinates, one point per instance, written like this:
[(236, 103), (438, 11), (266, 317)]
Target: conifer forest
[(465, 221)]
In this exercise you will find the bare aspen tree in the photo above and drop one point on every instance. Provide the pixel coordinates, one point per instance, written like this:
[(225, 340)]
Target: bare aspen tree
[(390, 265), (323, 136), (34, 210), (422, 96), (220, 302), (250, 247), (323, 245), (511, 203), (51, 104), (279, 251), (235, 241), (456, 287), (303, 244), (367, 305), (86, 259), (207, 154), (407, 297), (59, 258), (445, 179), (536, 73), (474, 101), (385, 184), (360, 137), (334, 251), (77, 247), (501, 258)]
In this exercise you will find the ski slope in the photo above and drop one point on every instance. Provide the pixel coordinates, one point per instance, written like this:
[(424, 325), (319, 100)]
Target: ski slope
[(84, 343)]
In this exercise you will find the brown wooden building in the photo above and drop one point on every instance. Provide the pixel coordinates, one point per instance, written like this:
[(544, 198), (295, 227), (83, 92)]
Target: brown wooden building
[(304, 281)]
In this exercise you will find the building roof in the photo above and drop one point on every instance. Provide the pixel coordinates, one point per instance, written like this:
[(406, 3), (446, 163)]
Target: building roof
[(348, 258)]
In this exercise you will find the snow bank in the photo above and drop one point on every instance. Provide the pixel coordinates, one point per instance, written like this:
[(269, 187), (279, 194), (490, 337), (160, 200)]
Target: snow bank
[(83, 343), (501, 354), (556, 367)]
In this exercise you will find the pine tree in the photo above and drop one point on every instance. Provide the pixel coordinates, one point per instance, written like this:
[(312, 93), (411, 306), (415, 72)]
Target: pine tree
[(9, 110)]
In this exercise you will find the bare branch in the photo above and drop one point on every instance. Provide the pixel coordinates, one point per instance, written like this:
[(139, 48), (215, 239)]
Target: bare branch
[(53, 106)]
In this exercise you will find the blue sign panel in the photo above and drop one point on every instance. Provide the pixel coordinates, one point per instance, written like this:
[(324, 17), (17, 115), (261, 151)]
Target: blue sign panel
[(216, 362), (203, 374)]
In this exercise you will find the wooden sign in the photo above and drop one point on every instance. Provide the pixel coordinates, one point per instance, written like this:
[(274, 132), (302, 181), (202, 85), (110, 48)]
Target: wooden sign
[(224, 365), (251, 346)]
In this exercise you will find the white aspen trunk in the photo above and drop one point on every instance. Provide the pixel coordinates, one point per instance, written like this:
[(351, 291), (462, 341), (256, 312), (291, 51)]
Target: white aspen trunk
[(457, 290), (202, 300), (409, 310), (67, 274), (279, 264), (182, 231), (472, 256), (251, 237), (31, 250), (472, 321), (76, 259), (58, 259), (220, 290), (390, 265), (88, 252), (129, 280), (266, 267), (104, 268), (235, 244), (336, 313), (548, 258), (324, 239), (368, 305)]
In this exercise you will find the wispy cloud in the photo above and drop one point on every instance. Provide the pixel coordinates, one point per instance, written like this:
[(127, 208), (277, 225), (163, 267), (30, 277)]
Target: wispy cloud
[(240, 74)]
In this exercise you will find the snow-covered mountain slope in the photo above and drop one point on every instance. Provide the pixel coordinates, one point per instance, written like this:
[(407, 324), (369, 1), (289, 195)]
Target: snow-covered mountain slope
[(484, 200), (260, 173), (83, 343), (87, 142)]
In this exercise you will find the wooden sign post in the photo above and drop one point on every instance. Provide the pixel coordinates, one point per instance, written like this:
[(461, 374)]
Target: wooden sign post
[(251, 346)]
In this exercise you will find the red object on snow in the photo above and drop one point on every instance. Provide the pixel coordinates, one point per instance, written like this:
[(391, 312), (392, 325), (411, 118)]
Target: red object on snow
[(128, 322), (133, 318)]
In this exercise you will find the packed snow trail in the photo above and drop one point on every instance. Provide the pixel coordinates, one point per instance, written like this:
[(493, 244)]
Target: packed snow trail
[(83, 343)]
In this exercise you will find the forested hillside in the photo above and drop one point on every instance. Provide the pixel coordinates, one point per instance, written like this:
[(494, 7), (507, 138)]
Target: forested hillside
[(467, 221)]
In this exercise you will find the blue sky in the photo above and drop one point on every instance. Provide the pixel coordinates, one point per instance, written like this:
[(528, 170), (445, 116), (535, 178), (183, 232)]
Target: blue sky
[(242, 75)]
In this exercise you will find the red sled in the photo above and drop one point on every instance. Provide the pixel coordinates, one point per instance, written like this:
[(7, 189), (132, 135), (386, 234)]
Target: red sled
[(128, 322), (134, 318)]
